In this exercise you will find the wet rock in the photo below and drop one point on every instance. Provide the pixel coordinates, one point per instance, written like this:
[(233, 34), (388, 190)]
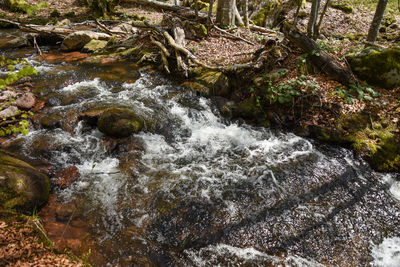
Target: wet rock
[(42, 146), (21, 185), (17, 42), (226, 107), (77, 40), (119, 122), (210, 83), (51, 121), (91, 116), (26, 101), (94, 45), (67, 176), (377, 66), (9, 112)]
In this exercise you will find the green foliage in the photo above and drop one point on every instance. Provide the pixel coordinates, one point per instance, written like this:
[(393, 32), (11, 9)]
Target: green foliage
[(285, 92), (17, 68), (13, 74), (357, 91)]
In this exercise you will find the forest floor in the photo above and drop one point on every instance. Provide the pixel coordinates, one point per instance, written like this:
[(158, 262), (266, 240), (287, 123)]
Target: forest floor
[(342, 34)]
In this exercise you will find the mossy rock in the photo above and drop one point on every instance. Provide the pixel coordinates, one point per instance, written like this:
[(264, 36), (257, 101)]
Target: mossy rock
[(95, 45), (119, 122), (346, 8), (52, 121), (22, 187), (268, 14), (369, 137), (217, 82), (249, 109), (379, 67)]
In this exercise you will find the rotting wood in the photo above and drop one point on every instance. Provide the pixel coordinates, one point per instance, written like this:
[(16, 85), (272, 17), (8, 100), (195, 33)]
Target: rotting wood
[(318, 57)]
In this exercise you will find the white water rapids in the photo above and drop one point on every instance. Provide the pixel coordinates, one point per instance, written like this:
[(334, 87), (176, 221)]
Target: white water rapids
[(212, 192)]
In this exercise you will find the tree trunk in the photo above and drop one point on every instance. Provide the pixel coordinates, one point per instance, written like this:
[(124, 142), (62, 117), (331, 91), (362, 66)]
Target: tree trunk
[(239, 21), (376, 22), (102, 7), (318, 57), (246, 13), (312, 22), (210, 11), (321, 17), (225, 12)]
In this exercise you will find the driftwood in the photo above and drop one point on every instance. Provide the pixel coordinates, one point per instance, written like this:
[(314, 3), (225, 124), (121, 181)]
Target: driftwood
[(318, 57), (178, 46), (180, 10)]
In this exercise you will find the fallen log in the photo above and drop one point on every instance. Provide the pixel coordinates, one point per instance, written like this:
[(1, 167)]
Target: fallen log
[(181, 10), (318, 57)]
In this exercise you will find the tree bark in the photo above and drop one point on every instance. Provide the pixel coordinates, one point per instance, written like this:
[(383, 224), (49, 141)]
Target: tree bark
[(239, 21), (246, 13), (376, 22), (225, 12), (318, 57), (321, 17), (210, 11), (312, 22)]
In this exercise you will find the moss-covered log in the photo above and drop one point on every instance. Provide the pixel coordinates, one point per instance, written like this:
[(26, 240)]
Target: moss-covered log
[(319, 58)]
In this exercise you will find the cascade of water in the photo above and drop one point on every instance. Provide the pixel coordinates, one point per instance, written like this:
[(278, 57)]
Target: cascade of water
[(216, 191)]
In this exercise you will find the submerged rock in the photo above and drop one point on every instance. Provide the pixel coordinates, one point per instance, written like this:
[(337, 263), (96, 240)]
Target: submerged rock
[(119, 122), (377, 66), (77, 40), (67, 176), (21, 185)]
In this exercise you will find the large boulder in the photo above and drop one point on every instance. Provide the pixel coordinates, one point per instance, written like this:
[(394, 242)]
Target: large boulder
[(21, 186), (77, 40), (119, 122), (377, 66)]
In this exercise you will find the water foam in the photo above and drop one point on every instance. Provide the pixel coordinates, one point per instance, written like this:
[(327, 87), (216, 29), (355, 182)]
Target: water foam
[(387, 254)]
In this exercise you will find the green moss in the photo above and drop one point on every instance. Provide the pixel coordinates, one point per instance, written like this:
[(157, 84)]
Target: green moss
[(119, 122), (377, 66), (17, 5), (346, 8), (249, 109), (268, 14), (203, 6)]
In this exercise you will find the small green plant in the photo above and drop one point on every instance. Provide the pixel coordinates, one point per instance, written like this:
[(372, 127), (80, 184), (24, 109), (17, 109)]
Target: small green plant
[(285, 92), (13, 74), (16, 69), (357, 91)]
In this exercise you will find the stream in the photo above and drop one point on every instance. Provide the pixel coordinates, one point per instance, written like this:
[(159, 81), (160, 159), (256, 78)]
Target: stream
[(196, 189)]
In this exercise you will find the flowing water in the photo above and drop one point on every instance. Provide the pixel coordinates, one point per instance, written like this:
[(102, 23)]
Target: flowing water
[(203, 190)]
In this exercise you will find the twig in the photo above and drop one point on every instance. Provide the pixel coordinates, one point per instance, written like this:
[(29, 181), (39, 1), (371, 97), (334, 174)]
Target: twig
[(164, 53), (36, 45), (104, 28), (234, 36)]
